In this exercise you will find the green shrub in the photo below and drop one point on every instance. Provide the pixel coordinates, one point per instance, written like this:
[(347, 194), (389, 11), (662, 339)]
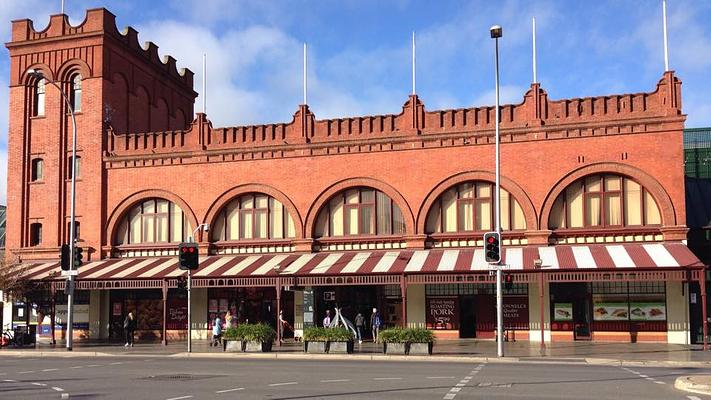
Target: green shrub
[(407, 335), (250, 333), (317, 334)]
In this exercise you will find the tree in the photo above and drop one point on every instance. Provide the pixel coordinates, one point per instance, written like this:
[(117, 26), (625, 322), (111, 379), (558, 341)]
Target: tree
[(16, 286)]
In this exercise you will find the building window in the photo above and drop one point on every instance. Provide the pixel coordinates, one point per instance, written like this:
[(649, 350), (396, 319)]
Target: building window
[(75, 93), (153, 221), (600, 201), (37, 169), (468, 207), (39, 91), (69, 167), (77, 230), (253, 216), (359, 211), (35, 234)]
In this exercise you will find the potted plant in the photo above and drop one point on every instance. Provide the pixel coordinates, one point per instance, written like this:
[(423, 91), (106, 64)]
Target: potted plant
[(231, 341), (419, 341), (393, 341), (252, 338), (407, 341), (340, 340), (315, 340)]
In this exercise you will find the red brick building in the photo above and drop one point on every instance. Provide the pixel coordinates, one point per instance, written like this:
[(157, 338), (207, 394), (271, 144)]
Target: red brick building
[(380, 211)]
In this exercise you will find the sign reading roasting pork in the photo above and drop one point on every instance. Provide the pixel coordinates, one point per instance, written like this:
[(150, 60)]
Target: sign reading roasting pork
[(442, 313)]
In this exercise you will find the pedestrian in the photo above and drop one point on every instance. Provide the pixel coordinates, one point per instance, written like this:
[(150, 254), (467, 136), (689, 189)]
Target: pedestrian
[(228, 320), (216, 331), (283, 325), (359, 323), (129, 326), (375, 322), (327, 320)]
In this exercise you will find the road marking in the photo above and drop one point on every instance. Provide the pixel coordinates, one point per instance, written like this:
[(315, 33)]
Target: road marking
[(387, 379), (49, 369), (693, 398), (65, 395), (93, 365), (26, 372), (460, 384), (334, 380), (643, 376), (39, 384), (78, 366), (440, 377), (659, 382), (455, 389), (9, 380), (58, 389), (283, 383), (116, 363), (468, 377), (229, 390), (449, 396), (178, 398)]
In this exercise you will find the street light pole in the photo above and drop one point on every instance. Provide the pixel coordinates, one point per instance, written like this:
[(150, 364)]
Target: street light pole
[(496, 32), (72, 219)]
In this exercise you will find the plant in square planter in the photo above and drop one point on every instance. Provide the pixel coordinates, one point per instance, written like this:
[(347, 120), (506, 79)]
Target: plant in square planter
[(393, 341), (315, 340), (340, 340), (420, 341), (252, 337), (231, 341)]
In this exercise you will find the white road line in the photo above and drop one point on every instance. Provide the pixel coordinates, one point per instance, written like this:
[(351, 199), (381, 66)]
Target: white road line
[(229, 390), (659, 382), (460, 384), (78, 366), (116, 363), (643, 376), (26, 372), (65, 395), (93, 365), (178, 398), (455, 389), (468, 377), (334, 380), (49, 369), (58, 389), (39, 384), (9, 380), (693, 398), (283, 383), (386, 379), (449, 396), (440, 377)]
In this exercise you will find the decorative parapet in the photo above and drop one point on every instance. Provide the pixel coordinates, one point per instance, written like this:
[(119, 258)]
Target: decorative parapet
[(98, 21)]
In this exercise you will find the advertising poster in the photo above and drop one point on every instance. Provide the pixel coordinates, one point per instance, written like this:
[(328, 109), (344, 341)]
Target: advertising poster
[(563, 311), (516, 311), (117, 309), (81, 315), (224, 305), (648, 312), (212, 305), (610, 312), (442, 313), (177, 317)]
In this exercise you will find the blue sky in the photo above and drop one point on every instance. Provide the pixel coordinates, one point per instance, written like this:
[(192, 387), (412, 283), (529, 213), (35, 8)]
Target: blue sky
[(359, 51)]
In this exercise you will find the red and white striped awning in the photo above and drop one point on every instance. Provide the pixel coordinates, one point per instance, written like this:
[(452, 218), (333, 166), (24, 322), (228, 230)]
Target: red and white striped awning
[(563, 257)]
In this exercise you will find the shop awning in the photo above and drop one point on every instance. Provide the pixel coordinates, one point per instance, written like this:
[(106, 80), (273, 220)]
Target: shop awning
[(559, 257)]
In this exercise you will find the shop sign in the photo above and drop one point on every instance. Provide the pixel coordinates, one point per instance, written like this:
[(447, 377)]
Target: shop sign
[(80, 316), (562, 311), (117, 306), (648, 312), (515, 310), (329, 296), (443, 312), (212, 305), (224, 305), (610, 312), (177, 316)]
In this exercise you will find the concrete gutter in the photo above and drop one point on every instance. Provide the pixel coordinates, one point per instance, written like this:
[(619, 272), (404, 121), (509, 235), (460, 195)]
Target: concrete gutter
[(694, 383)]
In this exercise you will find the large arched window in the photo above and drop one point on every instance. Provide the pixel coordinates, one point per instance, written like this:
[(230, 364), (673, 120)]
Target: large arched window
[(75, 93), (469, 207), (39, 91), (253, 216), (604, 200), (359, 211), (153, 221)]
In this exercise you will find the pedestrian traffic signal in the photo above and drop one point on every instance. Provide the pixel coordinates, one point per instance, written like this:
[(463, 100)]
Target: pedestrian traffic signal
[(182, 283), (492, 249), (77, 257), (508, 281), (64, 260), (188, 256)]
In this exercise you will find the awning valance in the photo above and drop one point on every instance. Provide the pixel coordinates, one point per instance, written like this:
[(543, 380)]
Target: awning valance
[(559, 257)]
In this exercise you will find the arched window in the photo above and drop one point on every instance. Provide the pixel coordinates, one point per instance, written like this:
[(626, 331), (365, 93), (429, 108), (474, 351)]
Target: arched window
[(37, 170), (153, 221), (75, 93), (469, 207), (38, 106), (604, 201), (253, 216), (359, 211)]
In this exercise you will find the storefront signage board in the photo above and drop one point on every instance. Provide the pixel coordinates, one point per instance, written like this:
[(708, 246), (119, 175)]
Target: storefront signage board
[(442, 312), (648, 312), (610, 312), (563, 311)]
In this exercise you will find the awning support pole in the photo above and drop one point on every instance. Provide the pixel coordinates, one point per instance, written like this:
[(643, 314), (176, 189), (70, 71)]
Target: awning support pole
[(52, 312), (704, 315), (278, 311), (403, 292), (541, 290), (164, 336)]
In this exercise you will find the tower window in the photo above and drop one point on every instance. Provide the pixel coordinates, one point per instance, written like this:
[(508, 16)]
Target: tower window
[(69, 167), (37, 169), (35, 234), (75, 94), (38, 105)]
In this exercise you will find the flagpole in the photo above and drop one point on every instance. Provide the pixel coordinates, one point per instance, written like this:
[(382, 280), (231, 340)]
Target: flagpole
[(666, 39), (204, 83), (305, 69), (535, 78), (413, 64), (62, 6)]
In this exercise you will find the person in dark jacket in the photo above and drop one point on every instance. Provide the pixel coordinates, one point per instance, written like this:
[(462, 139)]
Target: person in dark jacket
[(375, 323), (360, 326), (129, 326)]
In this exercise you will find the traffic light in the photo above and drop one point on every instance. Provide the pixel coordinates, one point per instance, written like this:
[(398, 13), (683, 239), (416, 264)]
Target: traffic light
[(508, 281), (492, 249), (77, 257), (188, 256), (64, 261), (182, 283)]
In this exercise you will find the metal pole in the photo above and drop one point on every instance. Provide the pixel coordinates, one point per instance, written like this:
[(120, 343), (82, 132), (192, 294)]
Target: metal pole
[(704, 312), (305, 65), (535, 78), (413, 64), (541, 290), (666, 49), (279, 324), (204, 83), (497, 213), (190, 320)]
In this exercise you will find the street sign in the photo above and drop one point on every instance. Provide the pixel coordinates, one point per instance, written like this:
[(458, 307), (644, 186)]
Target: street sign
[(74, 272)]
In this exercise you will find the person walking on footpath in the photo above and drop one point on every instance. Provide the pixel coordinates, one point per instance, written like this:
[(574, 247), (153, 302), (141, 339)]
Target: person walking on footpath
[(327, 319), (359, 323), (216, 331), (375, 323), (129, 326)]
